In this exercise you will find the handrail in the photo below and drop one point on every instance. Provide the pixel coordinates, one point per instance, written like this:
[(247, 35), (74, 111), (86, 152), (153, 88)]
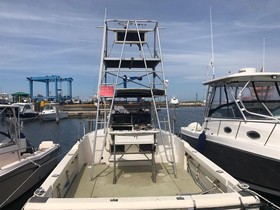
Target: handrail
[(252, 113), (259, 115), (82, 130)]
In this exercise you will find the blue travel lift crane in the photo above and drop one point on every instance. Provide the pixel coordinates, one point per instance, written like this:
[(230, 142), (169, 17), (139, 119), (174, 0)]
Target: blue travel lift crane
[(56, 79)]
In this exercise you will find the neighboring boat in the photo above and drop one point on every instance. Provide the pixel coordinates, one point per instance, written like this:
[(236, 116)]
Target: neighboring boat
[(21, 166), (132, 160), (241, 128), (27, 111), (52, 112)]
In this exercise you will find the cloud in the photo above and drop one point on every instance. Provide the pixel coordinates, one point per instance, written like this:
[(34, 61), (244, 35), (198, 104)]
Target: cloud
[(39, 37)]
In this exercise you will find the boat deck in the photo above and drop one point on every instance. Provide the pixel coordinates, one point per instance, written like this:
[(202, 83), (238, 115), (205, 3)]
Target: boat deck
[(132, 181)]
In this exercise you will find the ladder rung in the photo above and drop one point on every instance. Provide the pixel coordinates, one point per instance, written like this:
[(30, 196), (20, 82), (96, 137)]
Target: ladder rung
[(101, 122)]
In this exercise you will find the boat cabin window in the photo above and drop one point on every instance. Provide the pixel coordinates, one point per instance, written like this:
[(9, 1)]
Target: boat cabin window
[(27, 106), (5, 139), (48, 107), (254, 100), (223, 105)]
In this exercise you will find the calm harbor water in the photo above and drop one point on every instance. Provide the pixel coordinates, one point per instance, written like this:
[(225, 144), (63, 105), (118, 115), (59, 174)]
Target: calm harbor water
[(68, 131)]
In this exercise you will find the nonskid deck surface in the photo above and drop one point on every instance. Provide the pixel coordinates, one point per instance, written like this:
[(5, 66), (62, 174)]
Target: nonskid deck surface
[(133, 181)]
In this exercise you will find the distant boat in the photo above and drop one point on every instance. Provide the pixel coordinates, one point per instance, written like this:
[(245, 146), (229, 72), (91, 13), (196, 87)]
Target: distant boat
[(5, 98), (51, 112), (174, 101), (27, 111), (132, 160), (21, 166), (241, 128)]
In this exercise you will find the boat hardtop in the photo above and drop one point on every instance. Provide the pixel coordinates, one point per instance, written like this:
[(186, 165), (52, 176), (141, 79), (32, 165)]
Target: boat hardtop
[(244, 76)]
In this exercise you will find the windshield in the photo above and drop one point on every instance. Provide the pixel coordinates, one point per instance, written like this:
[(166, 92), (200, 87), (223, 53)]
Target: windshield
[(251, 100)]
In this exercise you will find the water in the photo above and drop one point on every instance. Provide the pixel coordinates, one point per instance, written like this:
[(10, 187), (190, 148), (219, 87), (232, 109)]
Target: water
[(64, 133), (67, 132), (183, 116)]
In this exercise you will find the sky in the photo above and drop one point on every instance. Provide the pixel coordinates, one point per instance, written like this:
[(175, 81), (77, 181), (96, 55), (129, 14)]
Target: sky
[(61, 37)]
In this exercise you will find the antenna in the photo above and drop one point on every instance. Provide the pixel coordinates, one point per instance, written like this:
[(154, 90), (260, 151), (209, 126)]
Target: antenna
[(105, 15), (212, 45), (263, 55)]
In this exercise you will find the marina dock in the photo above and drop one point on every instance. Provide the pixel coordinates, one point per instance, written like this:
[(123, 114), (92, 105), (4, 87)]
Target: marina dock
[(79, 110), (89, 110)]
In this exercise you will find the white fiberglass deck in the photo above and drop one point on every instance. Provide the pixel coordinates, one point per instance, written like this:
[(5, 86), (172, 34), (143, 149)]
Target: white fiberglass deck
[(133, 181)]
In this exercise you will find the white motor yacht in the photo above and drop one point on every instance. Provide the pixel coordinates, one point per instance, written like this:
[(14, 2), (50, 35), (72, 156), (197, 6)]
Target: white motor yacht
[(241, 129), (51, 111)]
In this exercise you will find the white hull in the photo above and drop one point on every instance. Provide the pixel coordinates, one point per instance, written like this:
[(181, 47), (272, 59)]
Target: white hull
[(228, 149), (51, 111), (54, 116)]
